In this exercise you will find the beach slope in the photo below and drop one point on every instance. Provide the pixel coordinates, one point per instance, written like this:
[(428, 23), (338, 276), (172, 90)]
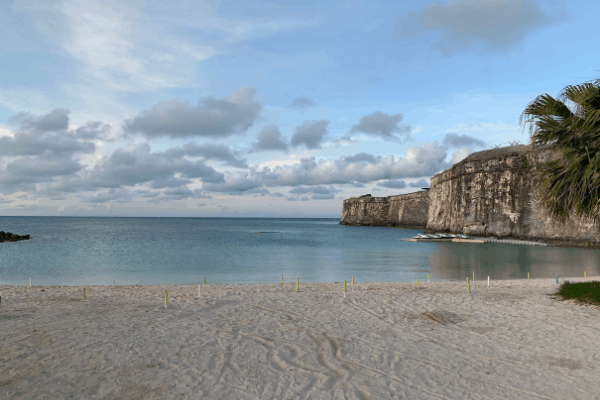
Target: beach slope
[(380, 341)]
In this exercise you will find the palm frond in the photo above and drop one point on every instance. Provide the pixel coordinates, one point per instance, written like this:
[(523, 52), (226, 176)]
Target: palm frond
[(570, 123)]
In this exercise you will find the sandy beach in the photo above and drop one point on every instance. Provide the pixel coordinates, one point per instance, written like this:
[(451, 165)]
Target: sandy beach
[(382, 340)]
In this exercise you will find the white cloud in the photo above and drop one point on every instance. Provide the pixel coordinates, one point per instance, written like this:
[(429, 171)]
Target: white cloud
[(384, 126), (421, 161), (463, 24), (209, 118)]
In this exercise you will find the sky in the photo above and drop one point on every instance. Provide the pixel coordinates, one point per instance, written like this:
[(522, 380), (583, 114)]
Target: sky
[(266, 108)]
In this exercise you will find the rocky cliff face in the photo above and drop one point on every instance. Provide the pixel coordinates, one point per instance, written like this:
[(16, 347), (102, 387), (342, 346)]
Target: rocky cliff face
[(491, 193), (407, 210)]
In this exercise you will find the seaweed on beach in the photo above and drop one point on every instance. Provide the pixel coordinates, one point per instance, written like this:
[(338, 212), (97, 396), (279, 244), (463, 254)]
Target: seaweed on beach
[(583, 292)]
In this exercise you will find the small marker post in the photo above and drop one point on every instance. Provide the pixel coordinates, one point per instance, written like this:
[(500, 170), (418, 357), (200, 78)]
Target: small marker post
[(528, 276), (428, 277), (473, 276), (344, 287), (353, 280), (585, 274), (468, 286), (29, 282), (417, 283), (198, 290), (488, 281), (114, 282), (282, 279), (84, 293), (166, 299), (557, 279), (296, 284)]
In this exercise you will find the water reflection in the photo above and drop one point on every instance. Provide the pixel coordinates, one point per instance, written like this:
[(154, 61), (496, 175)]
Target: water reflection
[(506, 261)]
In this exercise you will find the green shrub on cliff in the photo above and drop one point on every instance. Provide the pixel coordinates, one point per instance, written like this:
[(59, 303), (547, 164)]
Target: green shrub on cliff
[(570, 124)]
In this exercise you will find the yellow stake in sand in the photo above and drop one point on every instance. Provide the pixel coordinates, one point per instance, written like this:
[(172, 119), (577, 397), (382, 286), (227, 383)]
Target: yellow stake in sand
[(528, 276), (417, 283), (468, 286), (344, 286), (473, 276), (296, 284), (428, 277), (204, 280), (282, 279), (84, 293), (585, 274), (166, 298)]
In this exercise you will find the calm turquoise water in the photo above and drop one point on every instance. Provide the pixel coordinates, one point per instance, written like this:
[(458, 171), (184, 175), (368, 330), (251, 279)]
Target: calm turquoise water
[(76, 251)]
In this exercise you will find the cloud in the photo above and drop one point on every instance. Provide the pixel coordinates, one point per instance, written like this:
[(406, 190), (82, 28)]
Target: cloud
[(341, 140), (462, 24), (94, 130), (361, 157), (168, 181), (302, 104), (236, 182), (269, 139), (180, 193), (27, 144), (464, 143), (262, 191), (294, 198), (25, 172), (55, 120), (105, 196), (421, 183), (392, 184), (310, 134), (43, 135), (425, 160), (313, 189), (384, 126), (209, 151), (316, 192), (460, 155), (216, 118), (454, 140), (40, 150), (137, 166), (356, 184)]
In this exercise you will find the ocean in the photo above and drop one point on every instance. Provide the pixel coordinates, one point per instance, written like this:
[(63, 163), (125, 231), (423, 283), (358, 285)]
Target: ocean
[(147, 251)]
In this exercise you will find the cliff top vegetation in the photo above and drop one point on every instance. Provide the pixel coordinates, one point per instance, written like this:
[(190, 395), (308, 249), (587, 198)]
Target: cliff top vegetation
[(570, 124)]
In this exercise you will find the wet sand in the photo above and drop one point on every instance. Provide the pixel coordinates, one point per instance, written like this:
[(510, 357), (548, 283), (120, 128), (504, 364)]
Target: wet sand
[(380, 341)]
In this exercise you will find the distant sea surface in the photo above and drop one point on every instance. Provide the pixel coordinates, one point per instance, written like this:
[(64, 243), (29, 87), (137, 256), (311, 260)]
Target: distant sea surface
[(77, 251)]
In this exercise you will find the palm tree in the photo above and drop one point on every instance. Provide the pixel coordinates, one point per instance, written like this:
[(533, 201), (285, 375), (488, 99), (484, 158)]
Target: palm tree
[(571, 125)]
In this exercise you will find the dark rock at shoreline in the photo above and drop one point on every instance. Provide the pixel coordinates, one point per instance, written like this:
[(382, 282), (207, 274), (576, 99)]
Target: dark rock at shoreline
[(11, 237)]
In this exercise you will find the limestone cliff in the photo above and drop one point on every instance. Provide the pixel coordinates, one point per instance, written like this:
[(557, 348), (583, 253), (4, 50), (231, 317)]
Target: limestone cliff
[(408, 210), (489, 193)]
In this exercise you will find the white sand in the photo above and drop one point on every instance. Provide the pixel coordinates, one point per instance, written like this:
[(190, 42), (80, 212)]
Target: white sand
[(382, 341)]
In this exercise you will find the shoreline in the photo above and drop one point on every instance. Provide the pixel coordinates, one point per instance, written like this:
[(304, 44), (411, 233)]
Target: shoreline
[(256, 341), (348, 281)]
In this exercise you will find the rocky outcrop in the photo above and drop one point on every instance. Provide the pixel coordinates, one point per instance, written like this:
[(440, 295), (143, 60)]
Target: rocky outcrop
[(490, 194), (407, 210), (11, 237)]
